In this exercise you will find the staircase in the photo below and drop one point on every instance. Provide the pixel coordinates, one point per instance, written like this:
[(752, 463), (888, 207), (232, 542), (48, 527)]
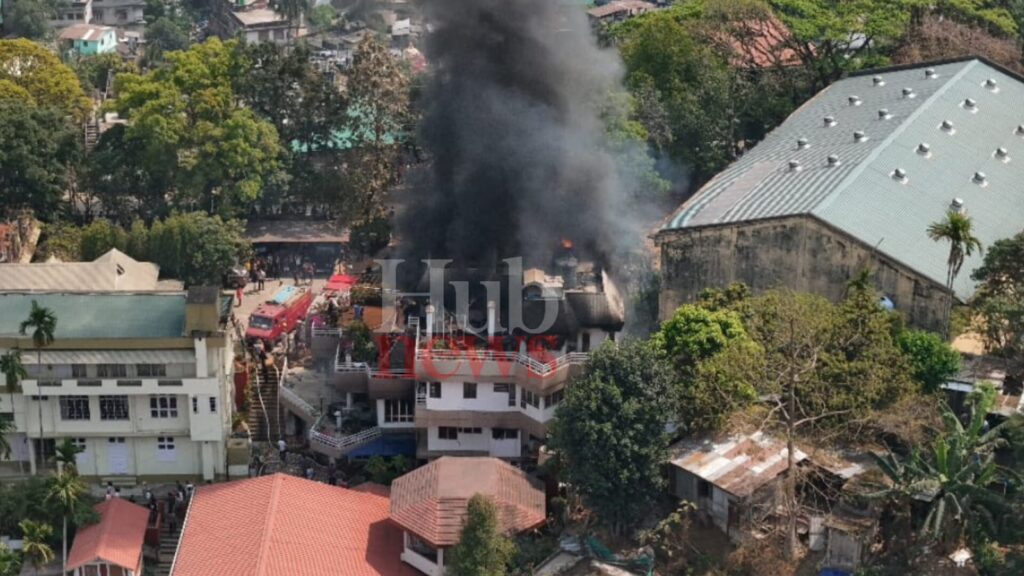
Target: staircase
[(168, 546), (264, 419), (92, 134)]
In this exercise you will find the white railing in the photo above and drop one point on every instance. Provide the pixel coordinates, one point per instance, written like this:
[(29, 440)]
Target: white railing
[(525, 360), (338, 446), (298, 404)]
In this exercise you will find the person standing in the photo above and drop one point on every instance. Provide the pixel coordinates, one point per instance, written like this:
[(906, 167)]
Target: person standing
[(282, 451), (238, 295), (261, 279)]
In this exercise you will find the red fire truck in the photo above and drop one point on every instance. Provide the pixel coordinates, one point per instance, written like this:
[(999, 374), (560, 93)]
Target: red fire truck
[(280, 315)]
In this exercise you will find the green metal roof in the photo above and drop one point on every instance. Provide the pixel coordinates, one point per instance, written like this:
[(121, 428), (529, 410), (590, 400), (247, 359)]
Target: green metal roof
[(863, 194), (100, 315)]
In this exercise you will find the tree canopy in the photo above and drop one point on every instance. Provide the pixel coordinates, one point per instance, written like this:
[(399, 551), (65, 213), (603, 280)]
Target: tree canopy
[(186, 122), (46, 80), (482, 549), (999, 300), (610, 430)]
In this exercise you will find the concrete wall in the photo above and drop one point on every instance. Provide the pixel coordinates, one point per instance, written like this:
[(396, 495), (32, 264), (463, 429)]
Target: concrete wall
[(800, 253)]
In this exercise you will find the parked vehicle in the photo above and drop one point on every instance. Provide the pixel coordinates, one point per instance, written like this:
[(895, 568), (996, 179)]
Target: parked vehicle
[(237, 277), (280, 315)]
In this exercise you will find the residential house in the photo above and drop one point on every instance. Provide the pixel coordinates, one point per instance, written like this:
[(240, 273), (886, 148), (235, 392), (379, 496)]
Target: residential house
[(619, 10), (460, 391), (734, 481), (114, 545), (73, 12), (976, 369), (88, 40), (851, 181), (282, 524), (120, 13), (430, 505), (141, 382), (253, 22)]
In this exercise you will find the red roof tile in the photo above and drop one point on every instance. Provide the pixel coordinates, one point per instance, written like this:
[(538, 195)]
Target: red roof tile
[(282, 524), (431, 501), (116, 539)]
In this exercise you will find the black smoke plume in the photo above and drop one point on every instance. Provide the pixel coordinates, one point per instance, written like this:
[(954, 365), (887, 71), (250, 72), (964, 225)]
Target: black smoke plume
[(512, 125)]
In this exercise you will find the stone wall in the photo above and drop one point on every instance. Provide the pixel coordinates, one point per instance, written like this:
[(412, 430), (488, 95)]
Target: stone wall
[(800, 253)]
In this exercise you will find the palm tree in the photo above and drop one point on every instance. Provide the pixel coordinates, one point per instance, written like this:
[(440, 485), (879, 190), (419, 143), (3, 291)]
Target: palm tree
[(35, 548), (66, 455), (5, 444), (957, 229), (43, 323), (14, 372), (10, 564), (66, 491)]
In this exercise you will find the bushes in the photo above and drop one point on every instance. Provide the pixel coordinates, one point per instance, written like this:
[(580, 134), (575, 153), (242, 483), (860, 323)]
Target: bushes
[(194, 248)]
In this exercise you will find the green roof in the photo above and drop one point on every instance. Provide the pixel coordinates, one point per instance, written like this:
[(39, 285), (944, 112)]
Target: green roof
[(863, 194), (81, 316)]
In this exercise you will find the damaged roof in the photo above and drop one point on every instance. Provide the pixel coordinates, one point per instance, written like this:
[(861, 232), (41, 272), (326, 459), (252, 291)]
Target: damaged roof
[(739, 464)]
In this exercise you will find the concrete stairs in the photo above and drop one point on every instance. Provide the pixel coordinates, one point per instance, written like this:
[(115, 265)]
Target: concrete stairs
[(264, 415), (168, 546)]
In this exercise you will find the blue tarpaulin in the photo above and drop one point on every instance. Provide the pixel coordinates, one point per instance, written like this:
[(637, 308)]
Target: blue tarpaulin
[(833, 572), (387, 445)]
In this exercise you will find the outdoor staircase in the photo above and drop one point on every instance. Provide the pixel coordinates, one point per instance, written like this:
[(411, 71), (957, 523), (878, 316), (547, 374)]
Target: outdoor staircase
[(168, 546), (92, 134), (264, 415)]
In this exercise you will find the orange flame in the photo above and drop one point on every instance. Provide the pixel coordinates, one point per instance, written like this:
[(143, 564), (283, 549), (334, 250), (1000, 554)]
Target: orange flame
[(566, 243)]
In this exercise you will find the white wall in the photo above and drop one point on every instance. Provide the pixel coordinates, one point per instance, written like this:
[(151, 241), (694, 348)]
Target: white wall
[(487, 400), (483, 442)]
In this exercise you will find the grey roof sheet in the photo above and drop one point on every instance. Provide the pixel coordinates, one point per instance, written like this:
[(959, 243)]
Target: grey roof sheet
[(860, 196), (153, 315), (113, 271)]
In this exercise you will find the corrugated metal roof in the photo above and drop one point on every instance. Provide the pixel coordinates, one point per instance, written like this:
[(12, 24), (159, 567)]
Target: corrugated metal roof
[(114, 271), (48, 357), (117, 315), (896, 110), (738, 464)]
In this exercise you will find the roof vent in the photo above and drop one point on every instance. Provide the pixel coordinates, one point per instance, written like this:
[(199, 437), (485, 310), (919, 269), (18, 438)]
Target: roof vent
[(1002, 154), (802, 143), (957, 205), (991, 84), (1020, 130), (947, 127), (924, 149), (970, 104), (878, 81), (980, 179), (833, 160), (859, 136), (854, 100), (830, 121), (899, 175), (794, 166), (930, 73), (909, 93), (884, 114)]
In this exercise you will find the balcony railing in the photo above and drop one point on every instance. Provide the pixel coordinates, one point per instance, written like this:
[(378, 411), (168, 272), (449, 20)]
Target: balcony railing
[(485, 355), (343, 366), (338, 446), (298, 405)]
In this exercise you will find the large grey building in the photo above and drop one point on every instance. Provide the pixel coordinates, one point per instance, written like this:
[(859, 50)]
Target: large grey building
[(851, 181)]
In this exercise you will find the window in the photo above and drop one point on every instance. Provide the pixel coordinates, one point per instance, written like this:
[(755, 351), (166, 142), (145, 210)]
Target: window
[(264, 35), (501, 388), (398, 411), (469, 389), (554, 399), (74, 407), (79, 444), (163, 406), (195, 405), (509, 389), (703, 489), (79, 371), (586, 342), (435, 389), (471, 431), (448, 433), (529, 398), (113, 407), (151, 370), (165, 449), (111, 371), (213, 404), (504, 433)]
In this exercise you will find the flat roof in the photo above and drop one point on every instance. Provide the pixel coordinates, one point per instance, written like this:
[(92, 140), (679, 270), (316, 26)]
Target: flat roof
[(104, 316), (295, 232)]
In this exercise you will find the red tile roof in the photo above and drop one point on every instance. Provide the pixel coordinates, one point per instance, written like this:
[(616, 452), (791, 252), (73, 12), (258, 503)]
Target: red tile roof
[(116, 539), (431, 501), (282, 524)]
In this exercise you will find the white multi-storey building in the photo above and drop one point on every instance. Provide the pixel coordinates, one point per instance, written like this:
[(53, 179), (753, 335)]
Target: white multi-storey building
[(140, 381), (74, 12)]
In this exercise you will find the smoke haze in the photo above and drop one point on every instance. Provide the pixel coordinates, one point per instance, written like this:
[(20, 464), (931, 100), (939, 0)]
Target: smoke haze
[(512, 124)]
